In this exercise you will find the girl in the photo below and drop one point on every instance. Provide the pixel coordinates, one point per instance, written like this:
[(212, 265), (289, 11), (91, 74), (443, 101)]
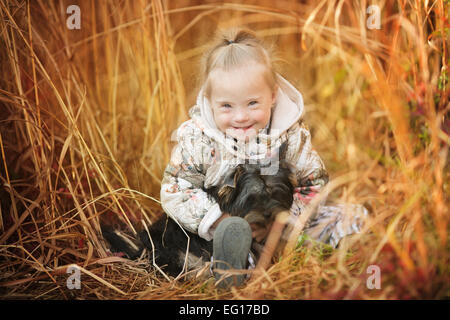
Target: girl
[(244, 112)]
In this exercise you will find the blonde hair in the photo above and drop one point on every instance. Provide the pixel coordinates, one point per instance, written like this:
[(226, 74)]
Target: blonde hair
[(234, 48)]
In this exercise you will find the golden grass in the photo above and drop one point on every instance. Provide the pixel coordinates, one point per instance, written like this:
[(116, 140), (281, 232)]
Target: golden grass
[(87, 118)]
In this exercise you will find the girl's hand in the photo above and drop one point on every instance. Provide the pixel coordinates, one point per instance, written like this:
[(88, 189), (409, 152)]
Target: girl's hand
[(223, 216), (259, 232)]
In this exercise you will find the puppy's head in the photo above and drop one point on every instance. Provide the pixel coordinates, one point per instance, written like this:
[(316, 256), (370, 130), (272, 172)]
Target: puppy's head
[(256, 197)]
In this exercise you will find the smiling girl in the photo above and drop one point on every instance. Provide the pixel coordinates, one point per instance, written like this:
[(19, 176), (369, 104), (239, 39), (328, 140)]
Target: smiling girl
[(245, 110)]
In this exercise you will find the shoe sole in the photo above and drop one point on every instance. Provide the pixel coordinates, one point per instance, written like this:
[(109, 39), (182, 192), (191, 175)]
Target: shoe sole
[(230, 254)]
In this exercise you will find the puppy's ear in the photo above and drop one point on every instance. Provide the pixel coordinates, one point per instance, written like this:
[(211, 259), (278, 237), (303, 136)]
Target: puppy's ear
[(293, 179), (229, 185), (238, 173), (225, 193), (229, 181), (286, 164), (232, 178), (283, 151)]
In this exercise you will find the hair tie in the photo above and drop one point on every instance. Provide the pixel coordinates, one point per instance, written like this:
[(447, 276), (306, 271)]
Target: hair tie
[(229, 42)]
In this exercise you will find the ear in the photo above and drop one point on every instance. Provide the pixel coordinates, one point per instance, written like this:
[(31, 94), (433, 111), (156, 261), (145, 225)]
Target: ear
[(283, 151), (229, 181), (225, 193), (238, 173), (293, 179), (285, 164), (274, 94)]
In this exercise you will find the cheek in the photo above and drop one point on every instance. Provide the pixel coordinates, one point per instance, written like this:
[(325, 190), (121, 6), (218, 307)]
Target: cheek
[(262, 117), (222, 119)]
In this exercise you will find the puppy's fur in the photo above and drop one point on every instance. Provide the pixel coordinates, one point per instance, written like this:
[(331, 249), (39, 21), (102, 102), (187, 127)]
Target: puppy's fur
[(255, 197), (245, 193)]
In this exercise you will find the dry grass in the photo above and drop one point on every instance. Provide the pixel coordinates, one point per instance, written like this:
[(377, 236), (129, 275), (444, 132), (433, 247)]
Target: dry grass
[(87, 116)]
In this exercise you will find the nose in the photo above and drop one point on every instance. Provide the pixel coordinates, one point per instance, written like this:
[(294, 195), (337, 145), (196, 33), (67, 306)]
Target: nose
[(241, 115)]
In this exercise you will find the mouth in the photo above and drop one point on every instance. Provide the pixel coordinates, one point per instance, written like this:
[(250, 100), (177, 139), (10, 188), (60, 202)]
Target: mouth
[(243, 128)]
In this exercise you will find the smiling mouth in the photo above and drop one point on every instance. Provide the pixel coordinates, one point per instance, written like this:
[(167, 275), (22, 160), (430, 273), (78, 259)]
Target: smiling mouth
[(243, 128)]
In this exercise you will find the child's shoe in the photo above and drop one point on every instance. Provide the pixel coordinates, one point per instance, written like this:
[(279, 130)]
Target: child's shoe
[(231, 247)]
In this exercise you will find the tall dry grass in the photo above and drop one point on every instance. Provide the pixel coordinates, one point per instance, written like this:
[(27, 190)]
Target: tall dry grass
[(87, 117)]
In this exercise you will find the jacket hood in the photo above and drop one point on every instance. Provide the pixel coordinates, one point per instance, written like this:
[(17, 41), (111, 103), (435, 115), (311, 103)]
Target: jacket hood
[(263, 148)]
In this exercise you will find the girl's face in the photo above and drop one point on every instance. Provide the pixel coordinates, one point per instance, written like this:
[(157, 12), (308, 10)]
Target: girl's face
[(241, 100)]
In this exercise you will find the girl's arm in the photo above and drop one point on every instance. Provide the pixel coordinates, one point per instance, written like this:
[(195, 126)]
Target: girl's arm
[(309, 169), (182, 196)]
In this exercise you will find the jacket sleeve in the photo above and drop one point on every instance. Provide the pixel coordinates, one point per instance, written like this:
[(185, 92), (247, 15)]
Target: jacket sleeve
[(310, 171), (182, 194)]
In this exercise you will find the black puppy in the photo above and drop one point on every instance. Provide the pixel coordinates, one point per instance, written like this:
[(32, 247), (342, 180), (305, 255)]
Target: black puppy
[(245, 193), (169, 241), (255, 197)]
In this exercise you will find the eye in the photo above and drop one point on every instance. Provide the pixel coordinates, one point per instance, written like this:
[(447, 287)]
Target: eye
[(226, 105), (251, 103)]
